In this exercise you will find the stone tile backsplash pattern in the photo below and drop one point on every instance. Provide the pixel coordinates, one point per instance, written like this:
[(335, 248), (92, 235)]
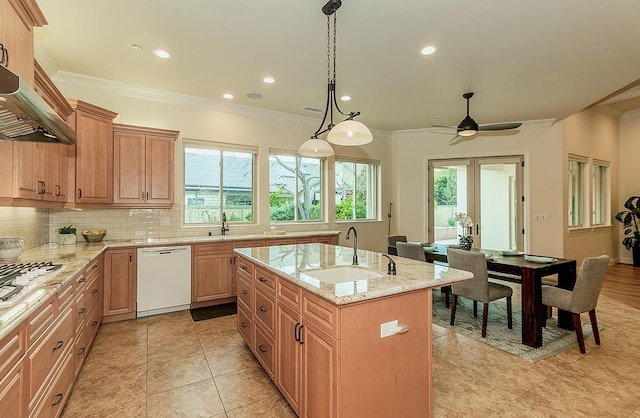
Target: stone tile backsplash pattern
[(29, 223)]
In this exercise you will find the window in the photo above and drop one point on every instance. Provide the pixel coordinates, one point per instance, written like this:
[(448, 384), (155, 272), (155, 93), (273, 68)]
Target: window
[(356, 190), (295, 188), (217, 180), (576, 193), (601, 199)]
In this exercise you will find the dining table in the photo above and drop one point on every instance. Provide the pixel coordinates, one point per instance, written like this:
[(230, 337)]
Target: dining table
[(517, 267)]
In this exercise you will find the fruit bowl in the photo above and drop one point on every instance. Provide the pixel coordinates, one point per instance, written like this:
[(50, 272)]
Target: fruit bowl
[(94, 235)]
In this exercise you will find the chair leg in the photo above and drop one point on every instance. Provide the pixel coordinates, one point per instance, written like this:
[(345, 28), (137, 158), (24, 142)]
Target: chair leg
[(475, 308), (485, 313), (454, 302), (594, 326), (509, 314), (578, 326)]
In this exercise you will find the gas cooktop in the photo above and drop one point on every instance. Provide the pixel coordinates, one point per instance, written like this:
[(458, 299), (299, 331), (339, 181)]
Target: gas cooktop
[(17, 279)]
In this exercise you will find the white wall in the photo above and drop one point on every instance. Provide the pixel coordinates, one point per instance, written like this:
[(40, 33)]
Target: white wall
[(541, 146), (198, 118)]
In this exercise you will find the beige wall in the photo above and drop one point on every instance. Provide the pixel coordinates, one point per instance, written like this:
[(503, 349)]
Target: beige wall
[(629, 180), (592, 134), (215, 121), (541, 146)]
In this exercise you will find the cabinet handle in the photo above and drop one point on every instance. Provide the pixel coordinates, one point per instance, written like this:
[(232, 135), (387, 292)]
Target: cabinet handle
[(142, 195), (261, 347), (82, 279), (243, 267), (262, 279), (58, 190), (96, 266), (41, 187), (81, 310), (147, 196), (295, 332), (94, 323), (58, 399), (4, 59), (130, 257), (81, 351), (94, 291), (262, 309), (244, 292), (59, 345), (300, 334), (79, 193), (244, 324)]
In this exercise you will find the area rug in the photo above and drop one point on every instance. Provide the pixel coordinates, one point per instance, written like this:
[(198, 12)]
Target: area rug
[(208, 312), (554, 340)]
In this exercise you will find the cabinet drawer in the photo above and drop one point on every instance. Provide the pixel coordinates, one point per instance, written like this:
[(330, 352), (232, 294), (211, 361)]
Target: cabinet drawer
[(51, 404), (264, 310), (321, 313), (79, 352), (92, 293), (94, 318), (264, 350), (266, 281), (212, 249), (244, 267), (245, 325), (39, 321), (81, 283), (244, 292), (45, 355), (65, 296), (12, 347), (94, 269), (289, 294), (80, 309), (12, 386)]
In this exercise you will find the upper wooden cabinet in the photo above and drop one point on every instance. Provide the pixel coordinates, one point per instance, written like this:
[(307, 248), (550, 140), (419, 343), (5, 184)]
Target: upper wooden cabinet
[(93, 153), (143, 166)]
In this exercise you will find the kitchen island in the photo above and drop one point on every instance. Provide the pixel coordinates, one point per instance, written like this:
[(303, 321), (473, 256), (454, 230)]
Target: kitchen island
[(341, 340)]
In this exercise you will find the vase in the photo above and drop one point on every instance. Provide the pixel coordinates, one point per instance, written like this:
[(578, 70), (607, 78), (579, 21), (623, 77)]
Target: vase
[(465, 245), (66, 239)]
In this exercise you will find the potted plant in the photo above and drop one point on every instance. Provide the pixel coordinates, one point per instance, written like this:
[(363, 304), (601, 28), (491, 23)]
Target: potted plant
[(630, 219), (66, 235), (466, 239)]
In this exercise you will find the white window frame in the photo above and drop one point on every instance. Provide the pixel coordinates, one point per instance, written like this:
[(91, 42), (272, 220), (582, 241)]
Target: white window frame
[(372, 204), (601, 193), (577, 192)]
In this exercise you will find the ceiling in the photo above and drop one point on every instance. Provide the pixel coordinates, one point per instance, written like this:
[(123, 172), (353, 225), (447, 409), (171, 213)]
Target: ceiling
[(524, 60)]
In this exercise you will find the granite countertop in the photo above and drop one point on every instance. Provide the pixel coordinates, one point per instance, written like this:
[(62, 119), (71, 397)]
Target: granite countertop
[(76, 257), (299, 264)]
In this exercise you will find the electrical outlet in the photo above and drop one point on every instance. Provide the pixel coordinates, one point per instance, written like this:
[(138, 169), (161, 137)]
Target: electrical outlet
[(139, 234), (542, 217), (388, 328)]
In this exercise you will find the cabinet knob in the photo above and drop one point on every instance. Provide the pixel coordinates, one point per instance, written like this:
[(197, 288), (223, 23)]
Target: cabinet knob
[(261, 347), (262, 309)]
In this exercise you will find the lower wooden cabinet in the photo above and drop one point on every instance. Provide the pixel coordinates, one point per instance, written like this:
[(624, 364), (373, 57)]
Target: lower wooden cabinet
[(12, 392), (120, 283), (212, 276)]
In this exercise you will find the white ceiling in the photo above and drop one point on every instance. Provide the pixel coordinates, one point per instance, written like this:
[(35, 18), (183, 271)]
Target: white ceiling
[(525, 60)]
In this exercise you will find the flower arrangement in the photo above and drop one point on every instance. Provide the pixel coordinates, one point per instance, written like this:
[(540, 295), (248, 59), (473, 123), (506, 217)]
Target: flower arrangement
[(466, 223)]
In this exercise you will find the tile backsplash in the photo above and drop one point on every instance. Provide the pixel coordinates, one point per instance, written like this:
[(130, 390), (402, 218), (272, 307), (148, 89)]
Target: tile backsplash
[(29, 223)]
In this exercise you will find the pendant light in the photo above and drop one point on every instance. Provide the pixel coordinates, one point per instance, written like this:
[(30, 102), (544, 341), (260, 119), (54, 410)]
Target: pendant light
[(348, 132)]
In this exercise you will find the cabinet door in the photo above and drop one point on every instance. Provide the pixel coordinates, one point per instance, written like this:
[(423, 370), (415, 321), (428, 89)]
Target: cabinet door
[(94, 158), (12, 392), (289, 356), (47, 170), (159, 170), (119, 282), (61, 187), (18, 40), (319, 373), (212, 278), (128, 168), (26, 170)]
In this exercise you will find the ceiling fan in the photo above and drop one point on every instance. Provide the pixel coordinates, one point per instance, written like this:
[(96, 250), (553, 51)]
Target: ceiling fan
[(469, 127)]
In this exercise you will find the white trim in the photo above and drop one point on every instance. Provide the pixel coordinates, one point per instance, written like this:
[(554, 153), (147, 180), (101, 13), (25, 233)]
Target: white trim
[(221, 146)]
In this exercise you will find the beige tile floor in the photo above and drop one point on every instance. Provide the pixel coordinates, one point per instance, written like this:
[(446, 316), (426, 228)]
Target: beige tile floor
[(170, 366)]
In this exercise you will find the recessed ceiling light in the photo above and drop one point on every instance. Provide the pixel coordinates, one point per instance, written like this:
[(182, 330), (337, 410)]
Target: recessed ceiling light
[(428, 50), (227, 96), (269, 80), (254, 95), (136, 47), (161, 54), (345, 98)]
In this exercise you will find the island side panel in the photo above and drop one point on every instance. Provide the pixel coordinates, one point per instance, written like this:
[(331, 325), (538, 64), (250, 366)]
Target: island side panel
[(391, 376)]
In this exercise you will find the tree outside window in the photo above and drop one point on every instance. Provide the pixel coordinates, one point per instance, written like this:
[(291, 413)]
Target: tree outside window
[(295, 188), (356, 190)]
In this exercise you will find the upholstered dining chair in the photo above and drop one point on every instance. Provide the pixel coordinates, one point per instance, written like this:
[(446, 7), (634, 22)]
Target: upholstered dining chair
[(479, 288), (411, 250), (583, 298), (391, 243)]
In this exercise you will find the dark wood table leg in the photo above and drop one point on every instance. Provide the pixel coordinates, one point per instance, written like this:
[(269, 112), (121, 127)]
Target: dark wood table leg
[(566, 280), (531, 308)]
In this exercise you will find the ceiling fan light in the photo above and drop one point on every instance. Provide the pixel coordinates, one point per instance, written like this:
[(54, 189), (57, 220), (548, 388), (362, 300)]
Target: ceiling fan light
[(315, 147), (350, 133), (467, 132)]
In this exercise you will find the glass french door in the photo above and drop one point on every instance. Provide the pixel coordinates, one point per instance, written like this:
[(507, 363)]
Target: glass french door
[(488, 189)]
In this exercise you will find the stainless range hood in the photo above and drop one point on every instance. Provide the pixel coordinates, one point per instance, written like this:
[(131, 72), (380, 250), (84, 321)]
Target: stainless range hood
[(25, 116)]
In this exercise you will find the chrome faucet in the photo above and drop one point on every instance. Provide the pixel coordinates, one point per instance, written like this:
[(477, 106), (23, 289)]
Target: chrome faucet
[(224, 228), (355, 244)]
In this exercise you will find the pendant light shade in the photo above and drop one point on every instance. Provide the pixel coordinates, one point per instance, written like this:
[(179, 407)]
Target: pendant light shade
[(350, 133), (315, 147)]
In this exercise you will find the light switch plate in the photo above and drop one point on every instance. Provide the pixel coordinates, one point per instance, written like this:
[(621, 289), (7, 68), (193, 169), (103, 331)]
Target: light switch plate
[(388, 328)]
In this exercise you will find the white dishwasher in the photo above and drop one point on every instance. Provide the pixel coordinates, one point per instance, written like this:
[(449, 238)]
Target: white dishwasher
[(164, 280)]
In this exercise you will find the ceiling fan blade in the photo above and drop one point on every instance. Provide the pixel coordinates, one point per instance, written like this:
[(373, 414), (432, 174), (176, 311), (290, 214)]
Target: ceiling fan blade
[(444, 126), (500, 126), (456, 139)]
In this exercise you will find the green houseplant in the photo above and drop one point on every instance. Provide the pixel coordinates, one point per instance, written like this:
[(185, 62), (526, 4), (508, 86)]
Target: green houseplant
[(66, 235), (630, 219)]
